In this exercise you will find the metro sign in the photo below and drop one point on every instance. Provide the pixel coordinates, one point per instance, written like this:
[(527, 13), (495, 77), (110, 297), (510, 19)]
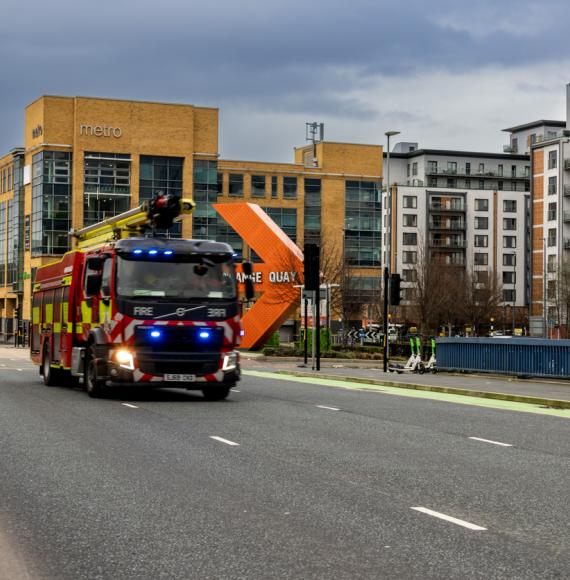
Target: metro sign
[(276, 277)]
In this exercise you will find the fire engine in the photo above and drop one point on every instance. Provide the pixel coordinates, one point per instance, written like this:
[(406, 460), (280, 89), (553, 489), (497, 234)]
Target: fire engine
[(127, 306)]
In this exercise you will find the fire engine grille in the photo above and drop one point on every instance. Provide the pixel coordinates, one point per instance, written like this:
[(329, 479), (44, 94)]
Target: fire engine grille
[(178, 349), (188, 366)]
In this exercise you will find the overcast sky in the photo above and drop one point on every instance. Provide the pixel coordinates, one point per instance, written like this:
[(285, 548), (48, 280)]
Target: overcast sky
[(446, 73)]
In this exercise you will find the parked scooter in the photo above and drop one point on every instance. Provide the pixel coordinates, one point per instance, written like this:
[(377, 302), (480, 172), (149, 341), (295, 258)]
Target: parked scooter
[(431, 365), (414, 363)]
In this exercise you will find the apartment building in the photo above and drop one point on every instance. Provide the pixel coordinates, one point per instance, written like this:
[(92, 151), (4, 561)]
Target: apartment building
[(464, 209), (550, 251)]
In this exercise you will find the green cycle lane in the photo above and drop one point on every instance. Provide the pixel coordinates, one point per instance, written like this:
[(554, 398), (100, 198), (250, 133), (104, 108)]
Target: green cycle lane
[(402, 392)]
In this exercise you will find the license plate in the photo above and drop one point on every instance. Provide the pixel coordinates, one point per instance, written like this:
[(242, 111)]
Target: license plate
[(180, 378)]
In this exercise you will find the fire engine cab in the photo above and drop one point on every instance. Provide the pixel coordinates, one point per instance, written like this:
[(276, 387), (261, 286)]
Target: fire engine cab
[(125, 307)]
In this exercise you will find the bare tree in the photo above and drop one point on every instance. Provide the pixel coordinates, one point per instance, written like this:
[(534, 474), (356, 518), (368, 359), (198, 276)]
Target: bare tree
[(483, 294)]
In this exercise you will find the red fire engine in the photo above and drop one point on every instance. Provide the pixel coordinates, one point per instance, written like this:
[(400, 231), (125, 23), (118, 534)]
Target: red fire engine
[(128, 308)]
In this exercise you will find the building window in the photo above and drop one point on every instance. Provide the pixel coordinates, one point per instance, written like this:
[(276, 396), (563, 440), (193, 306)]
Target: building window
[(290, 188), (2, 243), (432, 166), (451, 167), (274, 186), (500, 185), (408, 170), (410, 220), (481, 204), (551, 241), (509, 277), (409, 257), (551, 263), (410, 239), (515, 144), (500, 170), (510, 260), (551, 290), (362, 223), (481, 276), (432, 181), (51, 203), (509, 241), (509, 295), (509, 223), (509, 205), (285, 218), (107, 186), (481, 259), (410, 201), (552, 159), (258, 186), (206, 224), (481, 168), (481, 184), (409, 275), (552, 185), (481, 223), (467, 183), (162, 174), (236, 184), (481, 241), (415, 168), (468, 168), (451, 183), (552, 212), (312, 211)]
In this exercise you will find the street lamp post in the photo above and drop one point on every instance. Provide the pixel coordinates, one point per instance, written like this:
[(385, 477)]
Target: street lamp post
[(388, 252), (514, 288)]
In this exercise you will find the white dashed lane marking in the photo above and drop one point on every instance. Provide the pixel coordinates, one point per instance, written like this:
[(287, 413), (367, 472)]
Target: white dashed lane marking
[(222, 440), (451, 519), (328, 408), (129, 405), (490, 441)]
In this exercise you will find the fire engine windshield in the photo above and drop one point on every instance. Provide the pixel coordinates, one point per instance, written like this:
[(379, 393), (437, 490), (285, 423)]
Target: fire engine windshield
[(175, 280)]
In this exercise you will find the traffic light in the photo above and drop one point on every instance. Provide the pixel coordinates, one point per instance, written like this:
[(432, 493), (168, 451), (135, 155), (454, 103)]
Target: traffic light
[(312, 267), (17, 313), (395, 289)]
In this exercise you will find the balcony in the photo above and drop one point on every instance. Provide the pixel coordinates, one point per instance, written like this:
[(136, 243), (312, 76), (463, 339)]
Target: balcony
[(567, 190), (566, 216), (447, 225), (448, 244), (485, 174), (510, 149), (457, 207), (567, 243), (567, 164)]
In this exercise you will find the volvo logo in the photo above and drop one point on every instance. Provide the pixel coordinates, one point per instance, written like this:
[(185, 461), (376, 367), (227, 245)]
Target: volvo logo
[(180, 312)]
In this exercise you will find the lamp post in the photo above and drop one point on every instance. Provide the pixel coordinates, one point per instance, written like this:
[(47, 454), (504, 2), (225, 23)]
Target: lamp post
[(388, 252), (514, 288)]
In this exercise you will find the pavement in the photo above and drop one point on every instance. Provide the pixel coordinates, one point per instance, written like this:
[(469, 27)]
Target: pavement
[(552, 393)]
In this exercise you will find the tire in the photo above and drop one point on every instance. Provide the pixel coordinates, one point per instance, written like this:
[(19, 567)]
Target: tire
[(216, 393), (421, 368), (95, 387), (52, 377)]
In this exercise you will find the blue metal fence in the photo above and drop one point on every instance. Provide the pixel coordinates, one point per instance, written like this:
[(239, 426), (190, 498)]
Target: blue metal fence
[(516, 356)]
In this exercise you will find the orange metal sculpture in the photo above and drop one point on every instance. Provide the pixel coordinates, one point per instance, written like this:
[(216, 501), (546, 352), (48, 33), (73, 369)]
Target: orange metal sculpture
[(275, 279)]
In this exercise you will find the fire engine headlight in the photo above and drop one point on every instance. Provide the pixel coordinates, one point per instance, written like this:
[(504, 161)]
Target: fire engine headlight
[(230, 361), (125, 359)]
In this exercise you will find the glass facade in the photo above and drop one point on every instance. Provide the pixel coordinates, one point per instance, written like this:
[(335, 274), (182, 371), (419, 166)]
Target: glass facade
[(107, 186), (3, 243), (312, 211), (51, 203), (161, 174), (15, 235), (206, 189), (362, 223)]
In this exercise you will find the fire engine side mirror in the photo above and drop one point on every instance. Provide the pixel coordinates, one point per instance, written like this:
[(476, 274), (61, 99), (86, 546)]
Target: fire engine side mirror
[(93, 285), (247, 268)]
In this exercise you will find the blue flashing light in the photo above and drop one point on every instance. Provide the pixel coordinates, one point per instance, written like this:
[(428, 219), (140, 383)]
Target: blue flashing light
[(137, 251), (156, 334), (153, 252), (205, 334), (168, 252)]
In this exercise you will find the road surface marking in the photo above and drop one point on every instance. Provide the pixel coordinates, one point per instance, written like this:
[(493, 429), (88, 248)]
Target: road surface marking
[(235, 391), (20, 370), (329, 408), (441, 516), (129, 405), (489, 441), (226, 441)]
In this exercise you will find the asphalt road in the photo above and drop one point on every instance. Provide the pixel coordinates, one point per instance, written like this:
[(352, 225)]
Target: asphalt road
[(283, 480)]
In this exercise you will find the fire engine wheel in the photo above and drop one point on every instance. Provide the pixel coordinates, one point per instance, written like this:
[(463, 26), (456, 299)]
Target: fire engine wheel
[(52, 377), (94, 386), (216, 393)]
